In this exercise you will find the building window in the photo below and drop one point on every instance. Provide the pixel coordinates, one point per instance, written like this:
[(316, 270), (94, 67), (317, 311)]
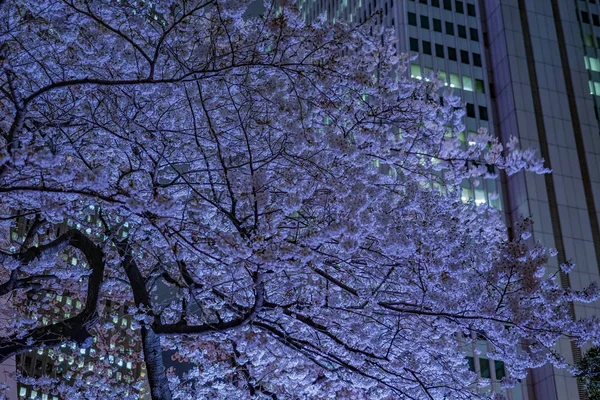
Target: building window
[(484, 366), (474, 34), (483, 113), (467, 83), (414, 45), (471, 10), (439, 50), (437, 25), (454, 81), (479, 86), (449, 28), (423, 1), (585, 17), (452, 53), (448, 5), (426, 47), (471, 363), (424, 21), (435, 3), (592, 63), (470, 110), (477, 60), (595, 19), (412, 19), (499, 367), (462, 31), (464, 56), (415, 71), (460, 8)]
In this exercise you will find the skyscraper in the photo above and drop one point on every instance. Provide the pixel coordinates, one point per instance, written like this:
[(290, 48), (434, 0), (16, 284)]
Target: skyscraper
[(524, 68)]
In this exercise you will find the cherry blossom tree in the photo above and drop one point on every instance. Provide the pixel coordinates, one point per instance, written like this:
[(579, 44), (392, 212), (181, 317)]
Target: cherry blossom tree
[(297, 193)]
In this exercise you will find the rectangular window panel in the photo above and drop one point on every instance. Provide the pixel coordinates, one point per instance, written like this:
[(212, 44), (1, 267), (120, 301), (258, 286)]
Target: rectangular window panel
[(462, 31), (415, 71), (426, 47), (412, 19), (595, 19), (588, 40), (483, 113), (460, 7), (414, 44), (439, 50), (474, 34), (435, 3), (499, 367), (448, 5), (424, 21), (477, 60), (452, 53), (479, 86), (471, 10), (585, 17), (442, 76), (467, 83), (449, 28), (464, 56), (471, 363), (484, 365), (437, 25), (470, 110), (455, 81)]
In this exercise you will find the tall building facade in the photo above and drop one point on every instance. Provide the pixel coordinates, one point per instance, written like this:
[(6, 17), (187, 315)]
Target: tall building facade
[(524, 68)]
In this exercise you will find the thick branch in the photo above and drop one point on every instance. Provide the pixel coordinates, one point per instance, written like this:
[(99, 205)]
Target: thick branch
[(75, 328)]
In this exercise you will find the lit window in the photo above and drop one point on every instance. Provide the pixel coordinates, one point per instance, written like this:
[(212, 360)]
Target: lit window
[(592, 63), (23, 391), (454, 81), (415, 71), (443, 78), (467, 83), (479, 199)]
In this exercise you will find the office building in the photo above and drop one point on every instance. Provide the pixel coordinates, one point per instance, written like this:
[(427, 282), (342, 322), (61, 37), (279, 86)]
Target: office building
[(524, 68)]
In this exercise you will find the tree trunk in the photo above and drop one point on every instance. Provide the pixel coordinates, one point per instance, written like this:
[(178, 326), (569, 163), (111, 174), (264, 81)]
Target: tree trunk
[(157, 376)]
